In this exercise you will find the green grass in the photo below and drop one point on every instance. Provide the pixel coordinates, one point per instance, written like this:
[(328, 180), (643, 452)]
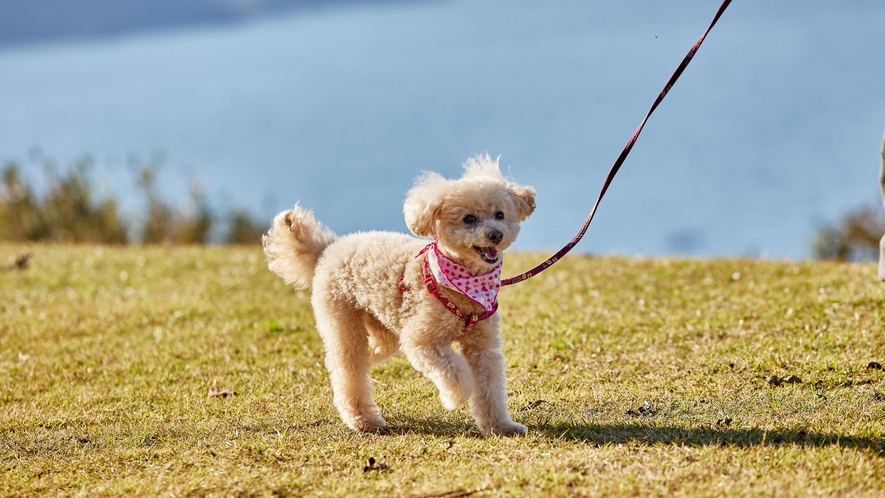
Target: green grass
[(652, 377)]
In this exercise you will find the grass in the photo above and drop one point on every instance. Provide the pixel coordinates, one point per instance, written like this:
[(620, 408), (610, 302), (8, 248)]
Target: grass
[(635, 376)]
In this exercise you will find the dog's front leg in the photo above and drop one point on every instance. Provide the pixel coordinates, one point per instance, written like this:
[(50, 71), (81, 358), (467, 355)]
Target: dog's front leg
[(446, 368), (482, 349)]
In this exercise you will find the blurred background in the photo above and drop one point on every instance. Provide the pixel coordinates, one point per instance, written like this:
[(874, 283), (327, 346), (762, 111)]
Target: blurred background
[(211, 116)]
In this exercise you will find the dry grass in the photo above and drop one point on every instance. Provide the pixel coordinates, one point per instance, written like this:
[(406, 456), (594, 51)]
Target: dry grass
[(635, 376)]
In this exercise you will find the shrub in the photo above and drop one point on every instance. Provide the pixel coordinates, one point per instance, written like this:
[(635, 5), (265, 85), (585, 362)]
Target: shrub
[(244, 229), (190, 225), (855, 237), (21, 218), (71, 211)]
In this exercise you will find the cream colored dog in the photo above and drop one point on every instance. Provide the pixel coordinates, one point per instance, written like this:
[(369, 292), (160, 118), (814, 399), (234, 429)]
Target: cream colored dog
[(370, 298)]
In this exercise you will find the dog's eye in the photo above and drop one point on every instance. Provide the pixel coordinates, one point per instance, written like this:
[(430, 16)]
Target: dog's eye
[(499, 215), (470, 219)]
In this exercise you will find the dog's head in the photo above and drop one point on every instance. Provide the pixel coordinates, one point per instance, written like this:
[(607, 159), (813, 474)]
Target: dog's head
[(474, 217)]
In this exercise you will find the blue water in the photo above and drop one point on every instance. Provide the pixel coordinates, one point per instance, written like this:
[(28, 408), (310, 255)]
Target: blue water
[(774, 128)]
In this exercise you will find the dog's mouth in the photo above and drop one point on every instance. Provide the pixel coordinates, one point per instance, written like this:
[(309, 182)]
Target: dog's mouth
[(488, 254)]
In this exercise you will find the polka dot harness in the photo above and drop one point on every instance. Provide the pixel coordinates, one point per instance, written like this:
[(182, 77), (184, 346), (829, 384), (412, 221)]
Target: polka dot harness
[(441, 271)]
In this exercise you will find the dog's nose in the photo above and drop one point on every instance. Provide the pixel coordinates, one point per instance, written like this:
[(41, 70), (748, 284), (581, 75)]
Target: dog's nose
[(496, 236)]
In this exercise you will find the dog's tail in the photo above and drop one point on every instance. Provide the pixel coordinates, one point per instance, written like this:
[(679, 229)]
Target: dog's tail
[(294, 244)]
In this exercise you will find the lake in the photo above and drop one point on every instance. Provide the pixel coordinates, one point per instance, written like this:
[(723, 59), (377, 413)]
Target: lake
[(774, 128)]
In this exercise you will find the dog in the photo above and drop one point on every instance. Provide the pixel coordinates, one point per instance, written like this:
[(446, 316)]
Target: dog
[(882, 187), (376, 293)]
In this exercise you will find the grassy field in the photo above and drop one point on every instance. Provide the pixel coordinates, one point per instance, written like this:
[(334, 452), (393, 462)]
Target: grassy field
[(635, 376)]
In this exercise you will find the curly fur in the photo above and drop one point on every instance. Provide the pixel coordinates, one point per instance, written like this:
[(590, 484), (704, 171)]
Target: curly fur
[(364, 319), (294, 244)]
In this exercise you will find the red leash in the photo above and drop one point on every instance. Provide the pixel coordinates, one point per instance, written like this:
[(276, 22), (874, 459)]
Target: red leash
[(620, 160)]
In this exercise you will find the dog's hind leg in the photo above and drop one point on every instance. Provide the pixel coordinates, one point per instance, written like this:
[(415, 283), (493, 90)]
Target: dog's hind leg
[(382, 342), (347, 359)]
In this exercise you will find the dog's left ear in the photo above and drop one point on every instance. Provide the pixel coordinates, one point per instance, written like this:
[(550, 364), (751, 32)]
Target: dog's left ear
[(423, 203), (524, 200)]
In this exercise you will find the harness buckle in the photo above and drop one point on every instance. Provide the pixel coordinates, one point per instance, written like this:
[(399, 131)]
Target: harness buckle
[(430, 285)]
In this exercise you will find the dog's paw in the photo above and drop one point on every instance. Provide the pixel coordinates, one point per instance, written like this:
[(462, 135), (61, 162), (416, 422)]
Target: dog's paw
[(507, 429), (456, 396), (366, 423)]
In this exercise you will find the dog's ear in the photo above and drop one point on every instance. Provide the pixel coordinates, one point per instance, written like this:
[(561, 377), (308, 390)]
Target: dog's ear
[(524, 200), (421, 220), (423, 203)]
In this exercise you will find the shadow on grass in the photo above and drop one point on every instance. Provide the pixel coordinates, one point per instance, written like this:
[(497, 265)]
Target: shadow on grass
[(397, 425), (618, 434), (629, 433), (432, 426)]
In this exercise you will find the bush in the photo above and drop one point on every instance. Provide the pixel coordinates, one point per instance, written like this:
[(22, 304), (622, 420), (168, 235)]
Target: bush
[(68, 213), (244, 229), (21, 218), (855, 237), (71, 211), (166, 225)]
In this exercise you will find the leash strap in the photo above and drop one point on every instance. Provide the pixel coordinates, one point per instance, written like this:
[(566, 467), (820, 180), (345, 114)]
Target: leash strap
[(620, 160)]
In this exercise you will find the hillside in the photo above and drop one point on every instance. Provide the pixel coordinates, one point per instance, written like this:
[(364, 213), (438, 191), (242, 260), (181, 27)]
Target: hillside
[(194, 371)]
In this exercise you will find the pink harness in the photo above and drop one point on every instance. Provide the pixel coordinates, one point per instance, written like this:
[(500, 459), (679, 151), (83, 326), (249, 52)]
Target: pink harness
[(441, 271)]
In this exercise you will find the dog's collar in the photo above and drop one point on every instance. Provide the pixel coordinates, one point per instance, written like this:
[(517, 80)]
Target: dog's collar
[(433, 289), (481, 289), (448, 273)]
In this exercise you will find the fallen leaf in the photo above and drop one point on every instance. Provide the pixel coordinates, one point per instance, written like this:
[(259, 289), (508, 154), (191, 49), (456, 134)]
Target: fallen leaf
[(20, 262), (223, 393), (646, 410), (723, 422), (776, 381), (375, 466)]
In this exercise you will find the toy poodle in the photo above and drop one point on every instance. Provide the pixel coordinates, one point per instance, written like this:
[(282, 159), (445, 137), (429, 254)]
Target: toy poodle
[(882, 240), (376, 293)]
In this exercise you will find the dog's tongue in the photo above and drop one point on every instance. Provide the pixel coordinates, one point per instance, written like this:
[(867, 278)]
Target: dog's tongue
[(489, 252)]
